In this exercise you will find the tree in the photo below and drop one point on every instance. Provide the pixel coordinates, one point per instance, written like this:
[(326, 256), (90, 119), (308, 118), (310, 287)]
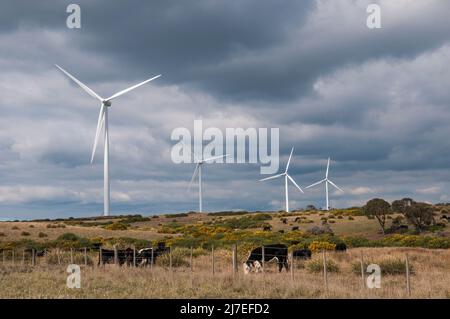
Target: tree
[(379, 209), (418, 214)]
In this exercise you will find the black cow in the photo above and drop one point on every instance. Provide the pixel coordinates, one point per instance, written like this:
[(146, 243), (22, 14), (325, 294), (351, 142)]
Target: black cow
[(340, 247), (124, 256), (275, 251), (302, 253), (144, 256)]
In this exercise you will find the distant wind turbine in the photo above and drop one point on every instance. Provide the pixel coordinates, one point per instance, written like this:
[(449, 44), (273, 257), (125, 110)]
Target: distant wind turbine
[(103, 122), (198, 172), (286, 178), (326, 181)]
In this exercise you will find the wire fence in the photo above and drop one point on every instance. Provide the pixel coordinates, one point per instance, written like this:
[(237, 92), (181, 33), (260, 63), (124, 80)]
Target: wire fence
[(169, 258)]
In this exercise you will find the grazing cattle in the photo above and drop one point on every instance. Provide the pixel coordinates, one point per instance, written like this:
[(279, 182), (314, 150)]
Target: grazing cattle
[(278, 252), (302, 253), (144, 256), (124, 256), (340, 247), (37, 252), (267, 228)]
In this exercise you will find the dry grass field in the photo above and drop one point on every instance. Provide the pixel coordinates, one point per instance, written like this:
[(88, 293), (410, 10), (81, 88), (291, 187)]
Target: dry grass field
[(47, 279), (430, 279)]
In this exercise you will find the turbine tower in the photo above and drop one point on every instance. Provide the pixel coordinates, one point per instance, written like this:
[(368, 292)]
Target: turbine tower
[(103, 123), (198, 172), (286, 178), (326, 181)]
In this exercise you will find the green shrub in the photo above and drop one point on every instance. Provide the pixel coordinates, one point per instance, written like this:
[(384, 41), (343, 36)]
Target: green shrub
[(237, 213), (2, 235), (42, 235), (31, 226), (116, 226), (15, 228), (351, 218), (316, 266), (245, 222), (56, 225), (176, 215), (71, 240), (25, 233)]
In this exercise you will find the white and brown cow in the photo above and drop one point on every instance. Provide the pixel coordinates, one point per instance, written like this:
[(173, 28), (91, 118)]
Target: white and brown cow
[(278, 252)]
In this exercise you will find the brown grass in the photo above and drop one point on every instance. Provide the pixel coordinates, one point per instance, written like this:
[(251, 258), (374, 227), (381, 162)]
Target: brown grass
[(431, 279)]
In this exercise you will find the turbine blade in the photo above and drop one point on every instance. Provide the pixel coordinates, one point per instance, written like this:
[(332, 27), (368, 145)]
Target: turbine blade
[(319, 182), (194, 175), (83, 86), (271, 177), (293, 182), (132, 88), (335, 185), (99, 129), (289, 160), (216, 157), (328, 167)]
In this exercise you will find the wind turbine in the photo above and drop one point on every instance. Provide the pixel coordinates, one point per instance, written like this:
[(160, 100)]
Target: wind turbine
[(326, 181), (198, 172), (103, 122), (286, 178)]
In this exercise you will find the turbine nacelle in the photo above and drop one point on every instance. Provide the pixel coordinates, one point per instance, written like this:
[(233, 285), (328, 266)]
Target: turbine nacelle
[(287, 178), (327, 181), (103, 122)]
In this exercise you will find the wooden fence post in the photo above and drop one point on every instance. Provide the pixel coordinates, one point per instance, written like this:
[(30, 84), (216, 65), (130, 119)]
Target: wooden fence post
[(408, 280), (100, 256), (325, 273), (116, 256), (85, 256), (153, 259), (363, 278), (58, 255), (71, 255), (134, 256), (212, 259), (33, 257), (170, 258), (234, 259), (292, 266), (263, 257), (191, 259)]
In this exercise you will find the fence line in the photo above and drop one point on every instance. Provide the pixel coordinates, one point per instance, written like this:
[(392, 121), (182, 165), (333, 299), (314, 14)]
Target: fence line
[(33, 257)]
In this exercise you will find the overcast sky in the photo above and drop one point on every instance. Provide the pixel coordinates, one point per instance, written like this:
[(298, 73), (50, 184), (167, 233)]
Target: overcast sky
[(377, 101)]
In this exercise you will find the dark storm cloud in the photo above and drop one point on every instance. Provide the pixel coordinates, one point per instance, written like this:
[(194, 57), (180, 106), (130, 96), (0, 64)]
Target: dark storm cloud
[(237, 50), (375, 101)]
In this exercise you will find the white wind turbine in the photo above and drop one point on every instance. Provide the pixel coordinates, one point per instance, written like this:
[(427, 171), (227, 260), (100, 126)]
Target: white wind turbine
[(103, 122), (326, 181), (286, 178), (198, 172)]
